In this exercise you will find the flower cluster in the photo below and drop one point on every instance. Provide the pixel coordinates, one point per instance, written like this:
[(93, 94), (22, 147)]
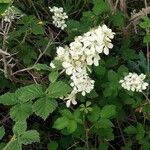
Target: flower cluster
[(59, 17), (83, 52), (134, 82), (11, 13)]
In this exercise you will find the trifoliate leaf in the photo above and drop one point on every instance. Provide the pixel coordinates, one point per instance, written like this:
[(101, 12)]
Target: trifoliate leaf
[(44, 106)]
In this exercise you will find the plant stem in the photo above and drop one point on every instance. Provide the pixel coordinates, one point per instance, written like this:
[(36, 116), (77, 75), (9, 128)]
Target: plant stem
[(12, 139)]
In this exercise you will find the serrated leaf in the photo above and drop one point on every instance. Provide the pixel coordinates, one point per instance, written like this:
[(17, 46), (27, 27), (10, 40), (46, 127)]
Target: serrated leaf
[(53, 76), (100, 6), (29, 137), (118, 19), (27, 93), (108, 111), (44, 106), (58, 89), (20, 127), (21, 111), (14, 145), (2, 132), (104, 123), (61, 123), (8, 99), (66, 113)]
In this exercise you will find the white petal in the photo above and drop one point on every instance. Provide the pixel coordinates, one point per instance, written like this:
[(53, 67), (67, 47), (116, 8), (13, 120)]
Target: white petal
[(106, 50), (68, 103)]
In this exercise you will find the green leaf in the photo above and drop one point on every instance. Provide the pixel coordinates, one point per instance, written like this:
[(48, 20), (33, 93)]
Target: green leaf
[(29, 93), (8, 99), (52, 145), (108, 111), (104, 123), (41, 67), (14, 145), (58, 89), (100, 6), (29, 137), (140, 131), (2, 132), (53, 76), (118, 19), (3, 7), (95, 114), (146, 23), (130, 130), (112, 75), (103, 146), (100, 70), (20, 112), (44, 106), (72, 126), (5, 1), (66, 113), (20, 127), (37, 28), (61, 123), (147, 38)]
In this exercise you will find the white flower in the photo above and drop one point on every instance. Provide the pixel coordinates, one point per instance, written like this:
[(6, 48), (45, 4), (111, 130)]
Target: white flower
[(134, 82), (52, 65), (59, 17), (71, 99), (83, 52)]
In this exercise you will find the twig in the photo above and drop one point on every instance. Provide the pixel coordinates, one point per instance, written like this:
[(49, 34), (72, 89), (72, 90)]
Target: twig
[(73, 145), (47, 46)]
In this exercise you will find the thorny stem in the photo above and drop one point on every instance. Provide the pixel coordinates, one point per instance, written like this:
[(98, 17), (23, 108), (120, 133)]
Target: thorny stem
[(4, 58)]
